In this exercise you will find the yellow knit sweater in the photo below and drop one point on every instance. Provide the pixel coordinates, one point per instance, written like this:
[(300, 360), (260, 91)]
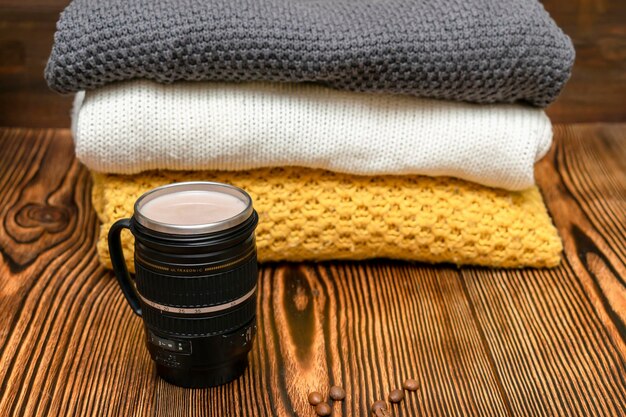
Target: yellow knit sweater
[(307, 214)]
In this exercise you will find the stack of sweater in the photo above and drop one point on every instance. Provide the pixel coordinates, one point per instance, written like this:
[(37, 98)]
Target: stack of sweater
[(404, 129)]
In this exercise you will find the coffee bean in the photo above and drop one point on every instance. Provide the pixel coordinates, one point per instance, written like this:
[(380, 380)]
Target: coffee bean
[(411, 385), (323, 409), (378, 405), (315, 398), (337, 393), (396, 396)]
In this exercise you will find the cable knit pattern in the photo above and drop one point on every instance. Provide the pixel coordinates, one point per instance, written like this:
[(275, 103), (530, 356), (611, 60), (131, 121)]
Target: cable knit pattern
[(141, 125), (309, 214), (471, 50)]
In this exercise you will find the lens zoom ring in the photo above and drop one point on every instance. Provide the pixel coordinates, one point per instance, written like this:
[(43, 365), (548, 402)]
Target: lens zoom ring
[(203, 326), (196, 291)]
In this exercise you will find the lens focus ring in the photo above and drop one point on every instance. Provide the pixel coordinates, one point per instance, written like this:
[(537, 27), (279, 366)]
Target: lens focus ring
[(196, 291)]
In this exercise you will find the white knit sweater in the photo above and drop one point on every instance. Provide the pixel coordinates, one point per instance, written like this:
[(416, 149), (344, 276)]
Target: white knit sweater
[(140, 125)]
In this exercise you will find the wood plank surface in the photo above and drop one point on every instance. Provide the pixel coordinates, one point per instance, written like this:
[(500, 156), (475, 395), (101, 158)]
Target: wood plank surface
[(481, 342), (595, 92)]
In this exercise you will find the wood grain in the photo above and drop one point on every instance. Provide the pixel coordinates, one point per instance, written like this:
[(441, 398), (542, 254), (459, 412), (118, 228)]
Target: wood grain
[(595, 92), (481, 342)]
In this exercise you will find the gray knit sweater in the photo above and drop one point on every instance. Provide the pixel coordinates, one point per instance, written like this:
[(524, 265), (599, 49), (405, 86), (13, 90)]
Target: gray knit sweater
[(472, 50)]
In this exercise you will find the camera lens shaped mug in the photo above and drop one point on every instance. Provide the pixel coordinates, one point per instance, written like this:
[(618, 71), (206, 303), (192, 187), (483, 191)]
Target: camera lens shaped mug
[(195, 288)]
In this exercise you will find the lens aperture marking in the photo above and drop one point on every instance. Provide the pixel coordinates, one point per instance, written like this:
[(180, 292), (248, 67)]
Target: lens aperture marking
[(199, 310)]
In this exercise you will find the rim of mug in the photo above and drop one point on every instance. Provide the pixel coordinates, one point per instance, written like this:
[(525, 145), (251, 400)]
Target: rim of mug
[(193, 229)]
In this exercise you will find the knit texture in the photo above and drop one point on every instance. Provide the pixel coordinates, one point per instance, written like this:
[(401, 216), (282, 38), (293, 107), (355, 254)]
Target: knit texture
[(471, 50), (317, 215), (136, 126)]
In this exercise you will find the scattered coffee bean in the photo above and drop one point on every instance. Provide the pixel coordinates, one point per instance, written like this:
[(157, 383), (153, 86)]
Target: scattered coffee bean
[(396, 396), (315, 398), (323, 409), (379, 405), (411, 385), (379, 409), (337, 393)]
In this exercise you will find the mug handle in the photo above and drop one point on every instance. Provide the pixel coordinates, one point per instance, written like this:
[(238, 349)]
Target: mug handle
[(119, 265)]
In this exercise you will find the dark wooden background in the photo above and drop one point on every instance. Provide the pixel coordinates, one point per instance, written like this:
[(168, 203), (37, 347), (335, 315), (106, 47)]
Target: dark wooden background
[(595, 93)]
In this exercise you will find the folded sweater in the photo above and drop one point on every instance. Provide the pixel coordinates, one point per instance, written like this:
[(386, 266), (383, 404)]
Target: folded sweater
[(307, 214), (141, 125), (472, 50)]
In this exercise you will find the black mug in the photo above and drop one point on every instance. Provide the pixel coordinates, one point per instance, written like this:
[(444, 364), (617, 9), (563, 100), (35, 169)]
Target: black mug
[(195, 287)]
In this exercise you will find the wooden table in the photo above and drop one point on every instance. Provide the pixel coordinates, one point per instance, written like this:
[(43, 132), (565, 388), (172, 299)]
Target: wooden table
[(481, 342)]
